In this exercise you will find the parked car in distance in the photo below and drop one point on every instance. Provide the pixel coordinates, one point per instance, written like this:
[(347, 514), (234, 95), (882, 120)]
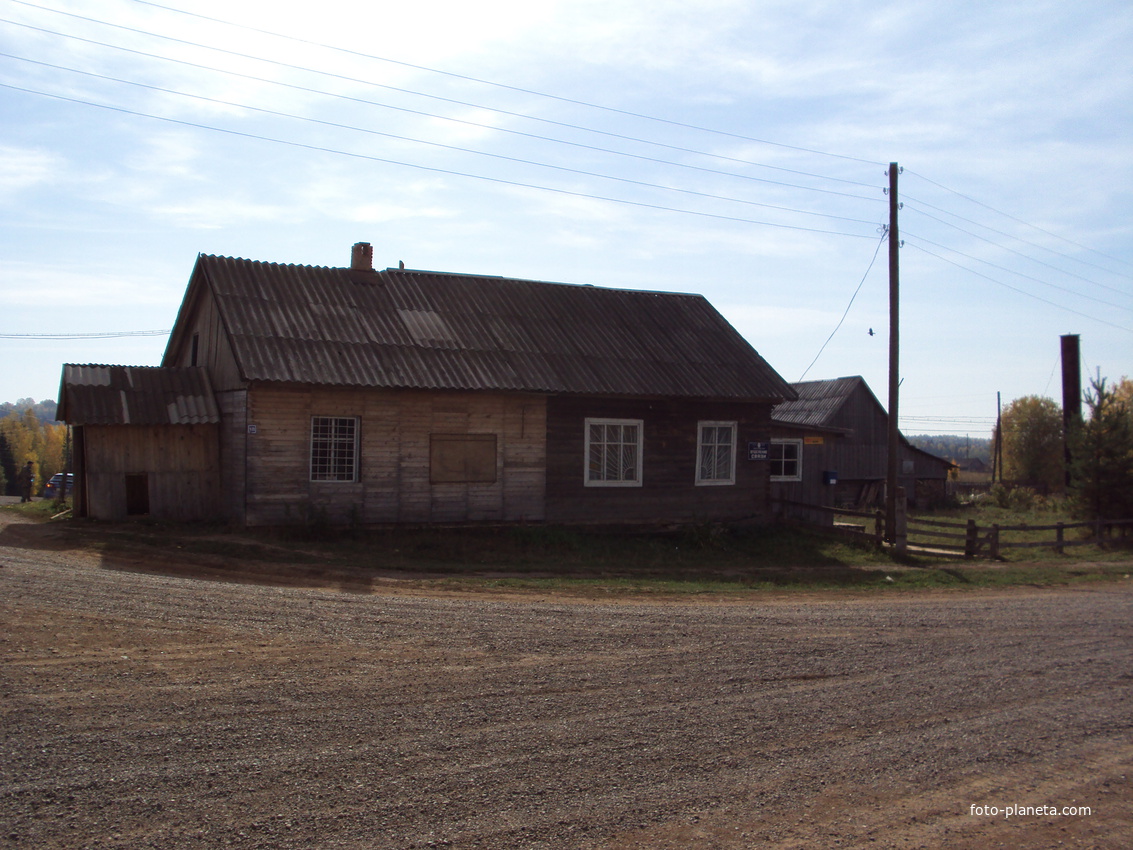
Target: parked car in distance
[(51, 490)]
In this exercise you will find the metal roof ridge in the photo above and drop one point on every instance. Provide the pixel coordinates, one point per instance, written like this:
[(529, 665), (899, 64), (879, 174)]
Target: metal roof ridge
[(506, 278)]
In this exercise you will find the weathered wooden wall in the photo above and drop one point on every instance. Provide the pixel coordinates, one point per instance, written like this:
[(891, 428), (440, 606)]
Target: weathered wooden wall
[(180, 464), (393, 477), (668, 492), (816, 459), (233, 433), (214, 350), (860, 459)]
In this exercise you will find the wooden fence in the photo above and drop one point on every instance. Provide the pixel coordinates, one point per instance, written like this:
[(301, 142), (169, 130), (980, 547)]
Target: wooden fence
[(959, 539), (972, 540)]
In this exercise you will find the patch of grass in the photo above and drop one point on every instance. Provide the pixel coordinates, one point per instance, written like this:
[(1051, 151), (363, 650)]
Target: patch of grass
[(591, 562), (602, 551), (41, 509)]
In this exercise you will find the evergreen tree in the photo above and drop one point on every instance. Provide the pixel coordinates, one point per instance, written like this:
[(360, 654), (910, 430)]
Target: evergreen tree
[(1101, 452)]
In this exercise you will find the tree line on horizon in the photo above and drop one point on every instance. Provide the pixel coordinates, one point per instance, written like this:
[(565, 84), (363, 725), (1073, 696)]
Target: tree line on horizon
[(44, 411), (954, 447)]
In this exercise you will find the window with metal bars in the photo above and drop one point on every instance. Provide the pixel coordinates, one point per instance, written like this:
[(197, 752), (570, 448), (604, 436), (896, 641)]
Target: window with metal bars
[(613, 452), (334, 448), (716, 453)]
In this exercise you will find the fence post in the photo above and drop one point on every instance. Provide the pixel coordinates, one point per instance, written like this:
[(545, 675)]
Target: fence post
[(993, 542), (901, 537), (971, 540), (879, 528), (1059, 538)]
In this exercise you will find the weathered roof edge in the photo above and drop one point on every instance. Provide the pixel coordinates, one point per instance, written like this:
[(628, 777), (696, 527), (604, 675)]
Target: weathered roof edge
[(100, 394)]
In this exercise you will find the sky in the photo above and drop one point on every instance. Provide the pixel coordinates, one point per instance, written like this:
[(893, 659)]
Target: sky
[(734, 148)]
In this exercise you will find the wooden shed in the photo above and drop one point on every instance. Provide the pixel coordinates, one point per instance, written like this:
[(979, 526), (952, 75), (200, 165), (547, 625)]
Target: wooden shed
[(830, 447), (402, 396), (145, 440)]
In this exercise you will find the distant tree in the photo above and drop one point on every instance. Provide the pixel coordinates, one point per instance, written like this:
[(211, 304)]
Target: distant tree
[(1032, 444), (20, 442), (953, 447), (24, 437), (1123, 392), (45, 411), (1101, 452)]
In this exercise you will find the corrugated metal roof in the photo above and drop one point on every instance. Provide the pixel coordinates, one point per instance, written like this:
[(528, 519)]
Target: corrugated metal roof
[(431, 330), (136, 395), (817, 402)]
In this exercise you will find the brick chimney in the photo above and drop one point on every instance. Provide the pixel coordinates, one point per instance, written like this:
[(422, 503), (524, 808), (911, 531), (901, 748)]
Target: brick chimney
[(362, 257)]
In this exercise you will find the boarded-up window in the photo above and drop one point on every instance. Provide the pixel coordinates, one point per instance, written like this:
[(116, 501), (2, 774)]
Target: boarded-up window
[(462, 458)]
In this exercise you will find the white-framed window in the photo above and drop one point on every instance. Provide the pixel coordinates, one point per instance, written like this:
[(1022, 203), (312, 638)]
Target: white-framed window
[(613, 452), (715, 453), (786, 460), (334, 448)]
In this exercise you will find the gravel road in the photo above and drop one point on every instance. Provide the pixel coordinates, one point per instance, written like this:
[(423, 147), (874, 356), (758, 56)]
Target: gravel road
[(148, 709)]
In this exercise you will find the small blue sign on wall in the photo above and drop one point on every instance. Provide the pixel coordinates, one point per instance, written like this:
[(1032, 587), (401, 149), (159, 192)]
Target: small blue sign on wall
[(758, 451)]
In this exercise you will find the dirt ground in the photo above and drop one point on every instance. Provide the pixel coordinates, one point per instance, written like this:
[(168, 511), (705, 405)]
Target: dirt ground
[(150, 706)]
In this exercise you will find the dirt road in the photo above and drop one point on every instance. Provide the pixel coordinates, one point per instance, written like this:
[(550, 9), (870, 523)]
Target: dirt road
[(143, 709)]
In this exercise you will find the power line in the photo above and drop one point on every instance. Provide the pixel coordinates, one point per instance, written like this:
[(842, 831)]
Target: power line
[(457, 148), (913, 244), (466, 122), (542, 138), (1041, 247), (371, 83), (431, 169), (1019, 254), (1020, 221), (847, 310), (106, 335), (506, 86), (1020, 274)]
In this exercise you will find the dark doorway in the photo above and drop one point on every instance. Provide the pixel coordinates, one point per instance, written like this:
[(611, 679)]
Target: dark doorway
[(137, 494)]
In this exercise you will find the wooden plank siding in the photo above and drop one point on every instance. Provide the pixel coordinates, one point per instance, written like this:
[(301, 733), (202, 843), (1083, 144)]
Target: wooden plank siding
[(233, 436), (817, 459), (393, 480), (668, 491), (214, 348), (180, 465)]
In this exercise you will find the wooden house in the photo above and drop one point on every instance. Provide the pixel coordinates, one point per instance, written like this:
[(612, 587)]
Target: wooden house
[(830, 447), (398, 396)]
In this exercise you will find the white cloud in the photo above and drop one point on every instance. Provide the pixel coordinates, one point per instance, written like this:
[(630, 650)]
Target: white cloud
[(57, 285), (25, 168)]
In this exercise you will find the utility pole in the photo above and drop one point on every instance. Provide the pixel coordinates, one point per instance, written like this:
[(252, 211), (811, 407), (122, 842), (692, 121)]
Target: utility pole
[(894, 351)]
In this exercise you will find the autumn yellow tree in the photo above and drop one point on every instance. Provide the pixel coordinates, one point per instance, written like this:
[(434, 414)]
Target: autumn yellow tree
[(22, 438), (1033, 451)]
